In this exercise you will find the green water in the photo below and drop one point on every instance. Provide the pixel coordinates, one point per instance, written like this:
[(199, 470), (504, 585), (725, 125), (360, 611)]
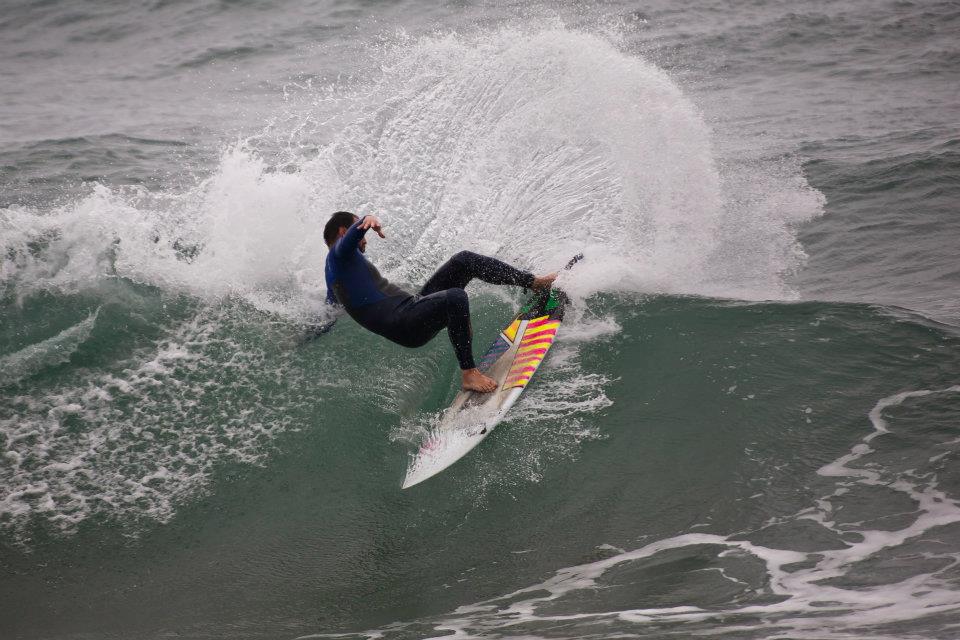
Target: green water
[(717, 414)]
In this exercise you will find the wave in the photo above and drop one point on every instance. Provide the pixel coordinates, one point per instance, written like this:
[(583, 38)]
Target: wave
[(845, 571), (681, 466), (525, 144)]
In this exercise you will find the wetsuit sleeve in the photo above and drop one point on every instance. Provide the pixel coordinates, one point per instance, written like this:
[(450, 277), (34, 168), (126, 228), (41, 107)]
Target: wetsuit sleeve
[(350, 240)]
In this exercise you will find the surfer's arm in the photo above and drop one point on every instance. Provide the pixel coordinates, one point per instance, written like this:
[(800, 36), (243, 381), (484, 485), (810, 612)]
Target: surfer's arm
[(350, 241)]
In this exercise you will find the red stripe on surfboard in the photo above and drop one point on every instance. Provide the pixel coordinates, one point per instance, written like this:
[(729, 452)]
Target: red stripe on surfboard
[(528, 340), (530, 343), (538, 334), (532, 352), (537, 323), (515, 375), (521, 370)]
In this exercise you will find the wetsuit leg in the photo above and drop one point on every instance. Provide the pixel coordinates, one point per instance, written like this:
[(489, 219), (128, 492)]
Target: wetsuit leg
[(458, 327), (463, 267), (418, 321)]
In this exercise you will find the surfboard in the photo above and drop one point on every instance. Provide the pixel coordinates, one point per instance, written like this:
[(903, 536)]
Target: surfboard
[(511, 360)]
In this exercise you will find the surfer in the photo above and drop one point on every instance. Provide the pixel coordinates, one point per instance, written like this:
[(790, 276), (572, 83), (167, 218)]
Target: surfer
[(407, 319)]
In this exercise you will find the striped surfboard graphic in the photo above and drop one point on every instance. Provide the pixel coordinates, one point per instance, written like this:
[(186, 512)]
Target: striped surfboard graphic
[(537, 337)]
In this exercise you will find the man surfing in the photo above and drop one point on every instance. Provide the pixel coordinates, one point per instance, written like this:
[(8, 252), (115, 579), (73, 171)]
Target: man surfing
[(407, 319)]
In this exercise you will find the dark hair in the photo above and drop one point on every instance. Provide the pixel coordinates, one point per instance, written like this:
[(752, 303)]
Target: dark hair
[(336, 221)]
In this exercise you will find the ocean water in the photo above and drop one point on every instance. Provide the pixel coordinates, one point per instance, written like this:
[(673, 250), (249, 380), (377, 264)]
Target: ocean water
[(749, 427)]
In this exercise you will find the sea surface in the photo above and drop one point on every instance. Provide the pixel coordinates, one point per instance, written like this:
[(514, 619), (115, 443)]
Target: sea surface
[(749, 427)]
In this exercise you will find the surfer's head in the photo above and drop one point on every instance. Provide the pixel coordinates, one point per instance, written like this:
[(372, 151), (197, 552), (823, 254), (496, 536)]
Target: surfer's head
[(337, 225)]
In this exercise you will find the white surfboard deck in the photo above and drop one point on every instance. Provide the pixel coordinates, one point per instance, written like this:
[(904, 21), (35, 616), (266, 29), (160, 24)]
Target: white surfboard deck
[(469, 419), (511, 360)]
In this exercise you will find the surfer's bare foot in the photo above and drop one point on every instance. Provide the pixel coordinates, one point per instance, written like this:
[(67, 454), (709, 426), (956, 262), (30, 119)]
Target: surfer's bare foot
[(544, 282), (473, 380)]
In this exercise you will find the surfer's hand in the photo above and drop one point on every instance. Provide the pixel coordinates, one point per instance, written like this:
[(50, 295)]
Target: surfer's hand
[(372, 222), (543, 282)]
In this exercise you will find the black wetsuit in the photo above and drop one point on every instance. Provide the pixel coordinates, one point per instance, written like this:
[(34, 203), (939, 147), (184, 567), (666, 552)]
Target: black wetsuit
[(407, 319)]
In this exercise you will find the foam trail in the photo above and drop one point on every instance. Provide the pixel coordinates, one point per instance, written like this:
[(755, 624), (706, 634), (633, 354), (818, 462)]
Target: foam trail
[(133, 442), (30, 360)]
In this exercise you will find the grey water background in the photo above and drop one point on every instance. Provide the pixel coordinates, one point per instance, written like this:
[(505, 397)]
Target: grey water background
[(747, 429)]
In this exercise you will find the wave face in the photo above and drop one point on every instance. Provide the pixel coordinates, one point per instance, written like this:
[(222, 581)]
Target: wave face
[(746, 428), (512, 143)]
